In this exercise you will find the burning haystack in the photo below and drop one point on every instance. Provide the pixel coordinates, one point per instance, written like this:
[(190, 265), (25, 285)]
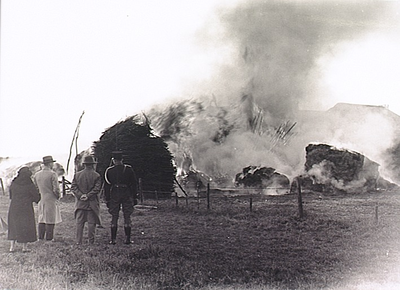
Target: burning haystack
[(262, 178), (333, 169)]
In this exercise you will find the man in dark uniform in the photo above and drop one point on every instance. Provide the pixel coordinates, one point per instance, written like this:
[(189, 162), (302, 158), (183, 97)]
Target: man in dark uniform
[(120, 189)]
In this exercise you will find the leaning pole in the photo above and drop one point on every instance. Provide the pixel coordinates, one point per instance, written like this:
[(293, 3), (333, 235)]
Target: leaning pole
[(75, 140)]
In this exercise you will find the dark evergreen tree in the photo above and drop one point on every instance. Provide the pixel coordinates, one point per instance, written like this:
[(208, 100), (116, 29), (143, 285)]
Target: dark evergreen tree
[(146, 153)]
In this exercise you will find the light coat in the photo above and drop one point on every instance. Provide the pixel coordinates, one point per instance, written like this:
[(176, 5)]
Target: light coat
[(48, 210)]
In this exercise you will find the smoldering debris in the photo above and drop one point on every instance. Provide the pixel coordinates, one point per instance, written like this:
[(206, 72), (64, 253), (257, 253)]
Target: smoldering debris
[(261, 177)]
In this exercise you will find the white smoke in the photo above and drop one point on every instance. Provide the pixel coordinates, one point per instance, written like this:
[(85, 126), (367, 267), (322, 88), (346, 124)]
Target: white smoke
[(270, 65)]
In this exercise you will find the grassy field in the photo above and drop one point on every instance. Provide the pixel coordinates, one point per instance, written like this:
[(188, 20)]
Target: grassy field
[(343, 242)]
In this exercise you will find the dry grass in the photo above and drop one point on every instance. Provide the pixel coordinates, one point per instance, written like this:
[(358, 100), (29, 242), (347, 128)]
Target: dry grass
[(337, 245)]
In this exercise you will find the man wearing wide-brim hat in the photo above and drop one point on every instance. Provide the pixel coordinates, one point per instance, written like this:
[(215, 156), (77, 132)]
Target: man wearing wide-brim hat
[(86, 186), (120, 191), (49, 214)]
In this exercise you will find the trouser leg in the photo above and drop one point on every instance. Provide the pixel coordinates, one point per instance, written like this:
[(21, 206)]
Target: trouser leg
[(49, 232), (91, 218), (127, 220), (127, 209), (91, 232), (81, 218), (41, 230), (79, 231), (114, 221)]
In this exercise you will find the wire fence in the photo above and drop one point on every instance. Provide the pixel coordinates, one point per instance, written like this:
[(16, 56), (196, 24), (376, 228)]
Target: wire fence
[(206, 197)]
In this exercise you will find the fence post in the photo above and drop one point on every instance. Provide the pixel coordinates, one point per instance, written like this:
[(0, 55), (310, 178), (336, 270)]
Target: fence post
[(299, 198), (141, 191), (63, 185), (251, 204), (198, 197), (208, 195), (376, 214)]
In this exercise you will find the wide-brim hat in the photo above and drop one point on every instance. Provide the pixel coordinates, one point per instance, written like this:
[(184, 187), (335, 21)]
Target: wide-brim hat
[(48, 159), (89, 160)]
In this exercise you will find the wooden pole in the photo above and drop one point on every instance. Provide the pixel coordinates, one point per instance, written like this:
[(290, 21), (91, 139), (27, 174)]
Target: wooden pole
[(251, 204), (299, 198), (2, 186), (376, 214), (180, 186), (176, 199), (74, 139), (208, 196)]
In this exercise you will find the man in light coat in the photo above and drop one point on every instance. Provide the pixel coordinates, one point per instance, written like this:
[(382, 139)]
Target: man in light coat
[(49, 214), (86, 186)]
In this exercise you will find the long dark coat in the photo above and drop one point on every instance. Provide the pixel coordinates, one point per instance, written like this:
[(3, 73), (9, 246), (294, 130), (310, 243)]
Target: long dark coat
[(21, 216)]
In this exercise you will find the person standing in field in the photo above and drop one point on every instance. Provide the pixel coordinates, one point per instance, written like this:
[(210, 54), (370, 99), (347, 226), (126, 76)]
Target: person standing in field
[(21, 216), (86, 186), (120, 190), (48, 211)]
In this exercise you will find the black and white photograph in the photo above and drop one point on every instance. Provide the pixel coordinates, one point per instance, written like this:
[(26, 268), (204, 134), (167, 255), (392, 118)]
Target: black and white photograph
[(200, 145)]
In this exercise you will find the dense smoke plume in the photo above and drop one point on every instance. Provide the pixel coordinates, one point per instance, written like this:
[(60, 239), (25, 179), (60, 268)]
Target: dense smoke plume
[(277, 46), (248, 113)]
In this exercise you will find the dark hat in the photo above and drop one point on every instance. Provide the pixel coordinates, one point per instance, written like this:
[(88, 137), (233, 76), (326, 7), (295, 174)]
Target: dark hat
[(117, 155), (24, 171), (89, 159), (48, 159)]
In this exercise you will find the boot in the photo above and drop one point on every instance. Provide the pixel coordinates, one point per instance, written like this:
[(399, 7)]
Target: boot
[(41, 230), (128, 235), (113, 235), (49, 232)]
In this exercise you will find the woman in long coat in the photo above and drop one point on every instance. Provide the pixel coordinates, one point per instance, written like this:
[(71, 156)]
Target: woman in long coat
[(21, 216)]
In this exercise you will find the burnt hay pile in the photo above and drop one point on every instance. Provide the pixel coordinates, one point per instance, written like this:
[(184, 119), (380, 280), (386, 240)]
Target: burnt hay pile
[(261, 177)]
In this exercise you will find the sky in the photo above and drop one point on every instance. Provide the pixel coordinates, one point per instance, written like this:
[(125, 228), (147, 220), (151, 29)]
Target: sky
[(114, 59)]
